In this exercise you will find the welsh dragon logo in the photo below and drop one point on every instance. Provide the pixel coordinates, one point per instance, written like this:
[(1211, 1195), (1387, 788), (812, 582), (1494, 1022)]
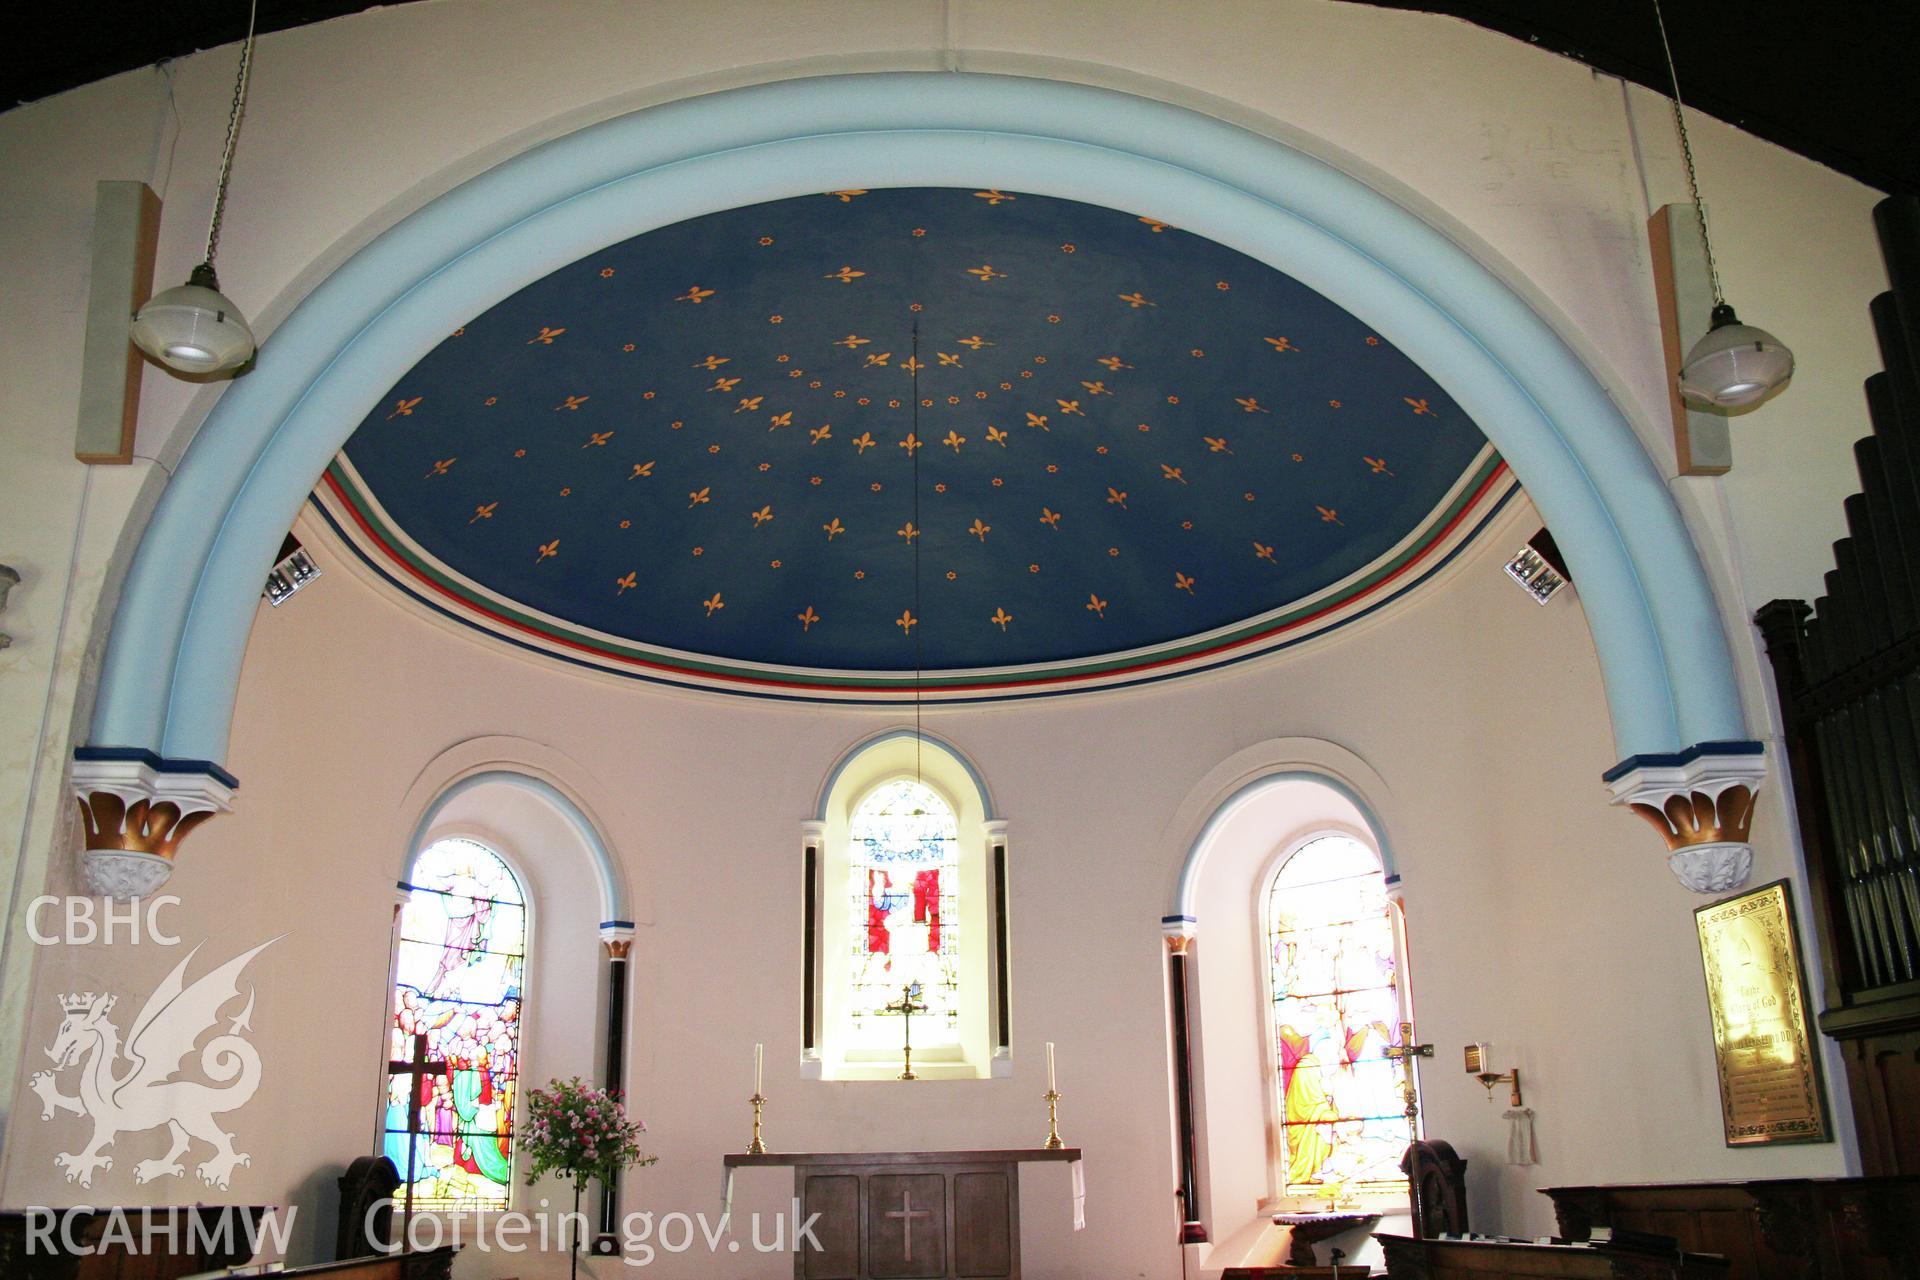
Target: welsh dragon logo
[(144, 1094)]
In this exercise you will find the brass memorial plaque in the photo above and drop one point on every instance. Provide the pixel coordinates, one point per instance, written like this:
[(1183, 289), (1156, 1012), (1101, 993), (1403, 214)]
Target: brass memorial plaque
[(1770, 1088)]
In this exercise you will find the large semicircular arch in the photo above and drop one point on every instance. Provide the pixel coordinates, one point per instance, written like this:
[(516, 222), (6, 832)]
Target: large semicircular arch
[(174, 654)]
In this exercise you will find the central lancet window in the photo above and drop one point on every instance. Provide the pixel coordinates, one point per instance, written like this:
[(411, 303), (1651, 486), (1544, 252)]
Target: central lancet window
[(904, 871), (904, 874), (1336, 1007), (459, 970)]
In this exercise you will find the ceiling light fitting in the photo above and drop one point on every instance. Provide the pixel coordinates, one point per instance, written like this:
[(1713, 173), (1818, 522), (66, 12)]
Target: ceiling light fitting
[(194, 328), (1735, 365)]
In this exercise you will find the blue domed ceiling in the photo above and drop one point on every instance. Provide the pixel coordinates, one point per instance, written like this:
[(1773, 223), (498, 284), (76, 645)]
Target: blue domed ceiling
[(715, 453)]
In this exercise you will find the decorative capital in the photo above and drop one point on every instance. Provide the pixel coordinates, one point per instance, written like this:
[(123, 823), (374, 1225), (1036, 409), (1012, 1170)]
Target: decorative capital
[(1701, 802), (994, 830), (135, 810), (813, 832), (617, 937), (1178, 933)]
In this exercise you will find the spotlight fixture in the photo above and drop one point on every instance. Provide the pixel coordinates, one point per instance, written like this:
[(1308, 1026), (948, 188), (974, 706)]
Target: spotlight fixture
[(294, 570), (1538, 568), (1735, 365), (193, 328)]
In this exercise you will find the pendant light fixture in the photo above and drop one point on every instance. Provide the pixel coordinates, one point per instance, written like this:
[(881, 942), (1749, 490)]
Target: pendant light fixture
[(913, 452), (1734, 366), (194, 328)]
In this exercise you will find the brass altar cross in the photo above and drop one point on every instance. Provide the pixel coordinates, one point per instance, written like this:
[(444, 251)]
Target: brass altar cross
[(906, 1006), (1404, 1053), (907, 1213), (417, 1070)]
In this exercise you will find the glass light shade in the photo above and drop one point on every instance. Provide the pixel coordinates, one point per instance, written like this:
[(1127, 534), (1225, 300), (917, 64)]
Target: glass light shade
[(193, 328), (1734, 365)]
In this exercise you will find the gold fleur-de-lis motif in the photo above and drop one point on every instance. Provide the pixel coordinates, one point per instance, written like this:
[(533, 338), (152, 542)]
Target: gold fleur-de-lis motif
[(712, 362), (714, 605), (1117, 497), (834, 528), (641, 469), (1050, 518), (992, 195), (846, 197), (627, 583), (763, 515), (1000, 618), (1096, 606), (780, 420), (1172, 473), (911, 444), (571, 403), (986, 272), (1377, 465), (906, 621), (822, 432), (597, 439), (979, 528), (440, 468), (699, 497), (1039, 420), (748, 404), (1069, 407), (909, 533), (1250, 404), (852, 341), (695, 295), (1181, 582), (1156, 226), (549, 551), (1420, 407), (1329, 515), (1264, 552), (877, 359), (996, 436), (953, 440), (949, 359), (725, 384), (1281, 344), (1136, 300), (485, 511), (1217, 444), (545, 337), (912, 365), (1114, 363), (845, 275), (863, 442), (404, 408), (807, 618), (1095, 388), (975, 342)]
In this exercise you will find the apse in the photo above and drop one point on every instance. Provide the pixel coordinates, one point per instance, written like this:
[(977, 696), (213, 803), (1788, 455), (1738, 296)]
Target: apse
[(978, 443)]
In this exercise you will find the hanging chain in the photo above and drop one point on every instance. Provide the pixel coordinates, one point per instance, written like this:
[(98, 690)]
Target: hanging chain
[(1686, 154), (233, 134), (918, 537)]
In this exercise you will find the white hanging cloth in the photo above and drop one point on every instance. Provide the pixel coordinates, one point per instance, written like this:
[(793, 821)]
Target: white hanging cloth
[(1520, 1145)]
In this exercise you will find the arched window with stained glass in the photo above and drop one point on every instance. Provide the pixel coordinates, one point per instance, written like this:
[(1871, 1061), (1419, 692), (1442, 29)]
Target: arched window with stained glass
[(905, 923), (460, 968), (1337, 1005)]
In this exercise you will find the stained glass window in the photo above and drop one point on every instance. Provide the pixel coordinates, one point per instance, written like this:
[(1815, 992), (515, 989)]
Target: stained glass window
[(459, 973), (1336, 1009), (904, 865)]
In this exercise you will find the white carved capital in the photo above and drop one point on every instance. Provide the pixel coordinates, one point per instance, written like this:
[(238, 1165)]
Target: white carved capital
[(135, 809), (1701, 802)]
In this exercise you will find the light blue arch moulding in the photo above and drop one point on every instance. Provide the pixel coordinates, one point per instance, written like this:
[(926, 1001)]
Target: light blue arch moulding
[(174, 653)]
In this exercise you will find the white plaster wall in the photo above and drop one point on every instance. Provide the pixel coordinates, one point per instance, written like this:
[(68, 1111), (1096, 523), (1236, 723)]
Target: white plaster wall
[(1541, 920), (1529, 159)]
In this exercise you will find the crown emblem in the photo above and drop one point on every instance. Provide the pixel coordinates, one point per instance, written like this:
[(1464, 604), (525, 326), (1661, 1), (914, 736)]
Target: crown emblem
[(77, 1003)]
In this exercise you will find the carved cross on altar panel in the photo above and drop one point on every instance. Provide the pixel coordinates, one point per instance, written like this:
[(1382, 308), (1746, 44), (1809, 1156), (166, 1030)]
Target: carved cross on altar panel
[(907, 1212), (1404, 1053)]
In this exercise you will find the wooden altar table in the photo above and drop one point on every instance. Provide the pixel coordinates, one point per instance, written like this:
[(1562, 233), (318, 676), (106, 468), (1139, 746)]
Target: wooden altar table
[(911, 1215)]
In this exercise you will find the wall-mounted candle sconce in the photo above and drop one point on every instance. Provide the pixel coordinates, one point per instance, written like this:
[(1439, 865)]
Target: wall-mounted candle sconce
[(1480, 1066)]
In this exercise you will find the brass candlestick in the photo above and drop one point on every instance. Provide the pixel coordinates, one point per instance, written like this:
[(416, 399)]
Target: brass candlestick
[(758, 1147), (1053, 1142)]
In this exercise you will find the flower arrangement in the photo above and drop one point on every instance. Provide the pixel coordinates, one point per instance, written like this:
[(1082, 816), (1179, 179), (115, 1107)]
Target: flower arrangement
[(582, 1133)]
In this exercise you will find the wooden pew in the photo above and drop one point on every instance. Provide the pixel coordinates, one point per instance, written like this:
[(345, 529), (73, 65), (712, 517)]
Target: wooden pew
[(1411, 1259)]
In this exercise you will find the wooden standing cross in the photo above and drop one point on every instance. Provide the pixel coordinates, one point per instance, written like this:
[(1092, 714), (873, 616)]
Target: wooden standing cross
[(906, 1006), (1404, 1053), (417, 1069)]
